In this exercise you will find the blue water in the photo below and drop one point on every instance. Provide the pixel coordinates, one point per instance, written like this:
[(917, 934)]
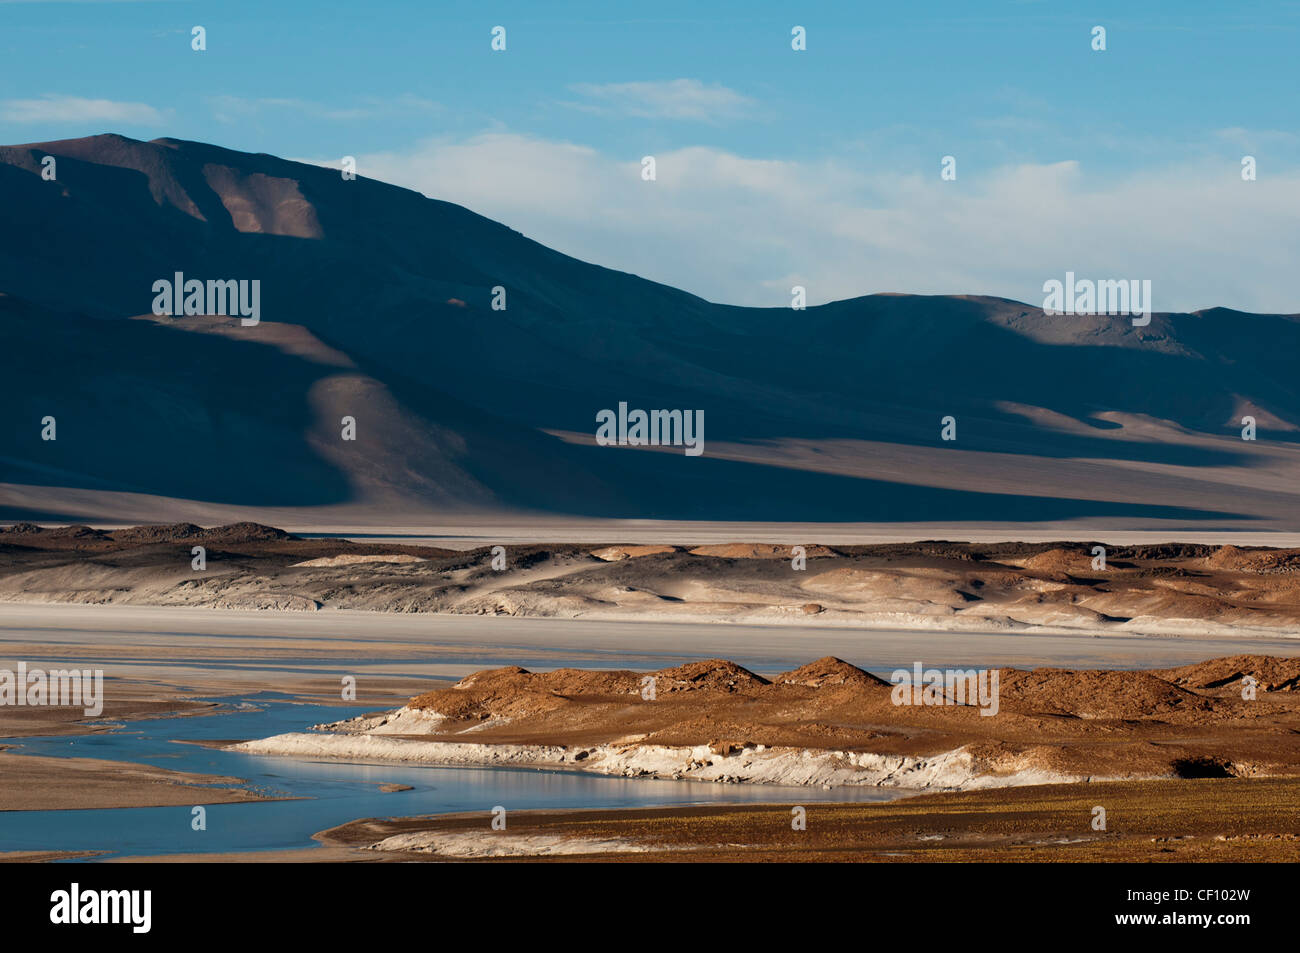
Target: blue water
[(331, 793)]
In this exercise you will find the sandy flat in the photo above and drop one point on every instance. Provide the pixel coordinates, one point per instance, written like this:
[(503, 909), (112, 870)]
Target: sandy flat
[(36, 783), (45, 856)]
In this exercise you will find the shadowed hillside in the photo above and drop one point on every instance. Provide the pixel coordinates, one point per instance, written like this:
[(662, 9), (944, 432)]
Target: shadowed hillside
[(376, 303)]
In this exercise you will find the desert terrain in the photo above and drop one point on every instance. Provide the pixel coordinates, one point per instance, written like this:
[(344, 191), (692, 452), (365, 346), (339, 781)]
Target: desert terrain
[(1180, 765), (1162, 639), (829, 723), (1170, 588)]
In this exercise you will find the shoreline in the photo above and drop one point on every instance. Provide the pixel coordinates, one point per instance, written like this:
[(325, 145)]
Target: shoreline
[(758, 765), (1160, 820), (830, 724)]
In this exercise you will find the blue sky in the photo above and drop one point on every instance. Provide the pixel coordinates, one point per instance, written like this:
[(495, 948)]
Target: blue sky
[(774, 166)]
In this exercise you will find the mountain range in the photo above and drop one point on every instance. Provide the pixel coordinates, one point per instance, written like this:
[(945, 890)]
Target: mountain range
[(377, 304)]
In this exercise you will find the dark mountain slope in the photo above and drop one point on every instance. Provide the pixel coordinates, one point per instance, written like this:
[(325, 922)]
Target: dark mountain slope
[(454, 396)]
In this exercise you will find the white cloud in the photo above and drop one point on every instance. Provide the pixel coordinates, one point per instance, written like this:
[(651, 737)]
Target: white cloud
[(743, 230), (233, 108), (1254, 138), (53, 108), (671, 99)]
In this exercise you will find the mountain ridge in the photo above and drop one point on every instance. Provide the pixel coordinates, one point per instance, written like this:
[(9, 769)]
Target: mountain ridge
[(831, 413)]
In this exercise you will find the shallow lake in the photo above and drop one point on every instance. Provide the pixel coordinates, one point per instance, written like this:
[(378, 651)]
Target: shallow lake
[(334, 792), (188, 647)]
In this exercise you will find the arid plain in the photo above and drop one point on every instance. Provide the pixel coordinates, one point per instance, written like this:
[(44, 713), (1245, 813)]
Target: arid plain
[(770, 667)]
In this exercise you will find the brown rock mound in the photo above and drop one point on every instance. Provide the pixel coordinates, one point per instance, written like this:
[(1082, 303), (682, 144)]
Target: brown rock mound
[(716, 675), (175, 532), (1069, 723), (1254, 560), (23, 529), (76, 532), (246, 533), (758, 551), (514, 692), (163, 533), (1059, 561), (1272, 674), (828, 671), (1227, 557), (1093, 694), (615, 553)]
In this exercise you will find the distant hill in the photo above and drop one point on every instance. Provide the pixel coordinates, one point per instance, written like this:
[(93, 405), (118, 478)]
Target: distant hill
[(376, 303)]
